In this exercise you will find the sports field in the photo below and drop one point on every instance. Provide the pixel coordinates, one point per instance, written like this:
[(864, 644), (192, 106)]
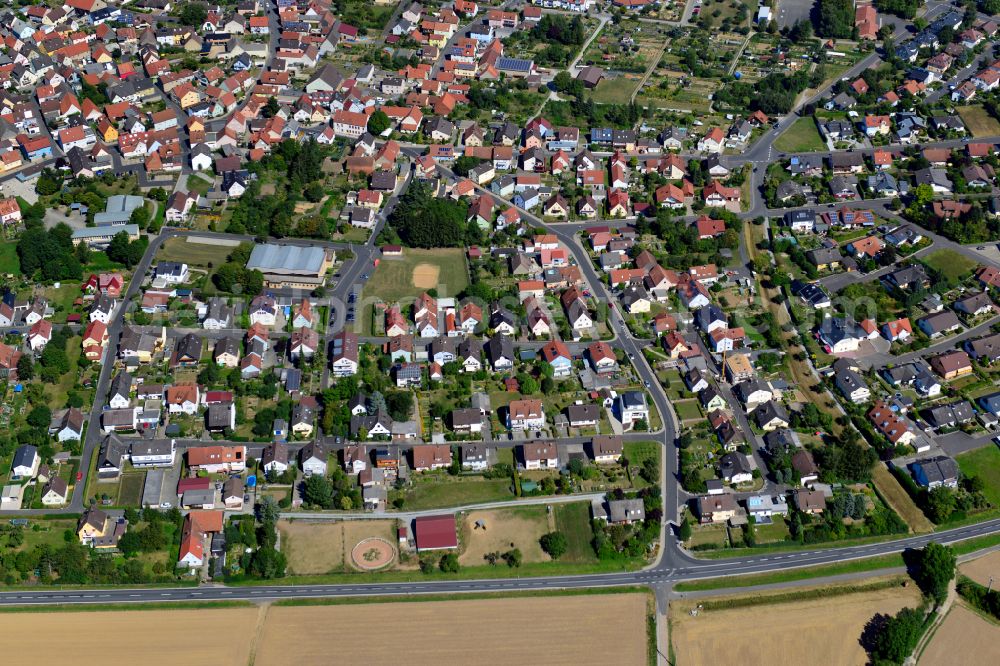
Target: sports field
[(585, 629), (416, 271)]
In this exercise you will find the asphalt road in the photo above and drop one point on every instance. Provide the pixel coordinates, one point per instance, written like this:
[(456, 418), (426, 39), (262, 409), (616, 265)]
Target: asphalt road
[(676, 566)]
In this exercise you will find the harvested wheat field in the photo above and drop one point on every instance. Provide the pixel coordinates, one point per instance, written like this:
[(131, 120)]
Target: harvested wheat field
[(551, 630), (312, 547), (829, 626), (523, 527), (964, 637), (151, 637), (981, 568), (425, 276)]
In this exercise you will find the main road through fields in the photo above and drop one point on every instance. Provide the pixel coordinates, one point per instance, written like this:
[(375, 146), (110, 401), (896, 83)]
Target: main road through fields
[(674, 567)]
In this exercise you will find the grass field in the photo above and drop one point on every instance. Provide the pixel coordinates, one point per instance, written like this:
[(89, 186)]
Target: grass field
[(432, 494), (984, 463), (979, 122), (130, 491), (394, 277), (827, 626), (207, 636), (193, 254), (965, 637), (9, 263), (320, 547), (615, 91), (900, 501), (573, 520), (688, 409), (950, 263), (522, 527), (801, 137), (312, 548), (563, 630), (57, 394)]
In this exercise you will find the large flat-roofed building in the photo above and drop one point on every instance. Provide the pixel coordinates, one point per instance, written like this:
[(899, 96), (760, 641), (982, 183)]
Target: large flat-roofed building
[(100, 237), (291, 265)]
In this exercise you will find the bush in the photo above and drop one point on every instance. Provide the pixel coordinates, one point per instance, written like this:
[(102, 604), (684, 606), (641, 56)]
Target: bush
[(554, 543)]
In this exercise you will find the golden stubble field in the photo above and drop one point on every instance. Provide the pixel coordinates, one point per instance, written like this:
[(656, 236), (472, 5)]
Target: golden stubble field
[(824, 630), (981, 568), (964, 637), (203, 636), (604, 629)]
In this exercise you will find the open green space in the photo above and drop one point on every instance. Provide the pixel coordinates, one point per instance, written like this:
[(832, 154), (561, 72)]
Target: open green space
[(984, 463), (193, 253), (9, 263), (130, 490), (434, 494), (615, 91), (801, 137), (573, 520), (951, 264), (979, 122)]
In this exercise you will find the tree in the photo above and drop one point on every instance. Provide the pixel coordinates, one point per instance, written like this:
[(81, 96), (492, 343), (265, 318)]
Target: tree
[(268, 563), (897, 636), (140, 217), (40, 417), (513, 557), (449, 563), (271, 108), (25, 368), (378, 122), (399, 405), (935, 569), (314, 192), (424, 221), (554, 543), (318, 491), (835, 18), (685, 530), (941, 503), (193, 14)]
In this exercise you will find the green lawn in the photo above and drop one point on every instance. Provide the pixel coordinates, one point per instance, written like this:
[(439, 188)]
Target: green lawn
[(448, 492), (614, 91), (193, 254), (950, 263), (688, 409), (130, 491), (56, 394), (198, 185), (984, 463), (573, 520), (9, 263), (801, 137)]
